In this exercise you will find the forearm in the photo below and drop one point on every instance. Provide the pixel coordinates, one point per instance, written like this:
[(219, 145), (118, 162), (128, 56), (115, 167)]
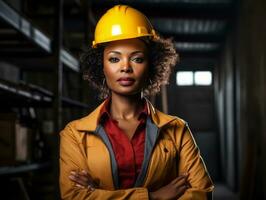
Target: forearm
[(85, 194)]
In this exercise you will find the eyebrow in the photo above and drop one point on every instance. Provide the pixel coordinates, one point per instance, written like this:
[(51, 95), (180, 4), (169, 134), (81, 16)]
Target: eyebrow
[(117, 52)]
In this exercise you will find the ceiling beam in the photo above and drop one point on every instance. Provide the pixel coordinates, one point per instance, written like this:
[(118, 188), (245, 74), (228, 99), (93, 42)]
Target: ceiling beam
[(202, 38), (198, 54), (173, 9)]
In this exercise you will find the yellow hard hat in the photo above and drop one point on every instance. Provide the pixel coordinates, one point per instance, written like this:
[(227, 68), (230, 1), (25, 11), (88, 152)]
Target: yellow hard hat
[(122, 22)]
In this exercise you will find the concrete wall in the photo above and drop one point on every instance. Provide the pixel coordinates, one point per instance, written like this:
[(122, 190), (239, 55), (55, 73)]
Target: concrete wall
[(251, 66), (226, 103), (242, 100)]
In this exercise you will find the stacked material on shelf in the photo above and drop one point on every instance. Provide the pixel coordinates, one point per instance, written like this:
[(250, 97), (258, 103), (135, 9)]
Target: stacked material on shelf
[(15, 140)]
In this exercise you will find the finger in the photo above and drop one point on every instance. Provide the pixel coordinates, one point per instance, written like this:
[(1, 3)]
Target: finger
[(87, 179), (74, 175), (181, 190), (90, 180), (85, 172), (80, 186), (185, 175), (78, 180), (179, 179), (180, 183), (188, 184), (87, 176), (176, 179), (84, 177), (90, 187)]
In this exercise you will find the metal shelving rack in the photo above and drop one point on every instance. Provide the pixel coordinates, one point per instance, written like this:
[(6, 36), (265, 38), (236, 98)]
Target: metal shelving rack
[(13, 170), (33, 95), (18, 22), (50, 52), (32, 43)]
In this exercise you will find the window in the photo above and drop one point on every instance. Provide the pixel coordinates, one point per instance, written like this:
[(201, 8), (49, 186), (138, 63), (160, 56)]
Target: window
[(184, 78), (198, 78), (203, 78)]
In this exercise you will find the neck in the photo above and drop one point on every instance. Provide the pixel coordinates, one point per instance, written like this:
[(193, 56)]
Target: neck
[(125, 107)]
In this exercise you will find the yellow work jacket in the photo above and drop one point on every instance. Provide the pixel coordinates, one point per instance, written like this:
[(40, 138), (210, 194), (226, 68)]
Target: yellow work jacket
[(170, 150)]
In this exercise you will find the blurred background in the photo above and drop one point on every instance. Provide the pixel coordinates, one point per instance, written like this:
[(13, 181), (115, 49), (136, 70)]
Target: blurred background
[(219, 87)]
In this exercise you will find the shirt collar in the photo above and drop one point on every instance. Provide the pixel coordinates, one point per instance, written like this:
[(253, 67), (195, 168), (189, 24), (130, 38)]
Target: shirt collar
[(91, 121)]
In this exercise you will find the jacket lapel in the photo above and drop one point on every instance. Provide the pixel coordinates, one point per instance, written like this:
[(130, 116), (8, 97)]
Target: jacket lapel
[(155, 121), (91, 121), (101, 133), (151, 135)]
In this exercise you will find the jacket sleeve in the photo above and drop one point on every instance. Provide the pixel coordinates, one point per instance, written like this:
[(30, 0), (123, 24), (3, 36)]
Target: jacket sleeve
[(190, 161), (73, 157)]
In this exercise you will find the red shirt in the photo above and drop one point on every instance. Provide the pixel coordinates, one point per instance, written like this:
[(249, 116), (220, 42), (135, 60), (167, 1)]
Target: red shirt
[(129, 154)]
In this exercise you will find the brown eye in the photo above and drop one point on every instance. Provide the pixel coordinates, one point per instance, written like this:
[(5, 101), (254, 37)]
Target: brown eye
[(138, 60), (113, 60)]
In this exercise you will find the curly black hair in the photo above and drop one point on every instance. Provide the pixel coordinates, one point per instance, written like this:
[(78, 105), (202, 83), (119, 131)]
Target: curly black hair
[(162, 59)]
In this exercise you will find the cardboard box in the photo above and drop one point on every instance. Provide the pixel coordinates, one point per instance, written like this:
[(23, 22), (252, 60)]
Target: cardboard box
[(15, 141)]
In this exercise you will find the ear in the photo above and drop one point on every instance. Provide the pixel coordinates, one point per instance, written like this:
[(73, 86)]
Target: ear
[(104, 70)]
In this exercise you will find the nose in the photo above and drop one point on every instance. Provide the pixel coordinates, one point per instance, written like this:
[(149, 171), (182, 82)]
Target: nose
[(126, 67)]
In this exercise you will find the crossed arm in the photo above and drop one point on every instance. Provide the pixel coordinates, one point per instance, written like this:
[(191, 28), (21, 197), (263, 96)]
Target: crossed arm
[(75, 182), (172, 190)]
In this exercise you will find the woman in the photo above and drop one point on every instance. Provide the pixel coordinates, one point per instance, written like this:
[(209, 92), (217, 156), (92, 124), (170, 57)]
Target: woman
[(125, 148)]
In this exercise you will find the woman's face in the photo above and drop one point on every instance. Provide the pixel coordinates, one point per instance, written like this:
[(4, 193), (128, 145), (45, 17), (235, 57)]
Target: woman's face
[(126, 66)]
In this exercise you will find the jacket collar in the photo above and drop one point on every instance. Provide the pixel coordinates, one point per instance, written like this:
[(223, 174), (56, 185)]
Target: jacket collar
[(91, 121)]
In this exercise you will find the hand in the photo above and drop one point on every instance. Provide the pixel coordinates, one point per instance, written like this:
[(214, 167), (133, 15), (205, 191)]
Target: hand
[(173, 190), (82, 179)]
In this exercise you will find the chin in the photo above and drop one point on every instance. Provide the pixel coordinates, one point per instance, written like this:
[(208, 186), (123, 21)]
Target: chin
[(127, 92)]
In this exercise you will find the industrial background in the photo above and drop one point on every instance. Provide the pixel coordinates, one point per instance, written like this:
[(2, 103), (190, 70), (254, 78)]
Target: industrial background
[(219, 87)]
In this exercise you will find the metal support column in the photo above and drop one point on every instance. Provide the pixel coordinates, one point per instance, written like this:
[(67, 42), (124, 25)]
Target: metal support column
[(57, 46), (58, 90)]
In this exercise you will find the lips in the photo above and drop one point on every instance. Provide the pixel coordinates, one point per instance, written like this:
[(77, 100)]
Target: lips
[(126, 81)]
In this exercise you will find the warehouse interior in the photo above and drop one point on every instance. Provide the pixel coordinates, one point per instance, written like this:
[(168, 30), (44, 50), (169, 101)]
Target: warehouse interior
[(218, 87)]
